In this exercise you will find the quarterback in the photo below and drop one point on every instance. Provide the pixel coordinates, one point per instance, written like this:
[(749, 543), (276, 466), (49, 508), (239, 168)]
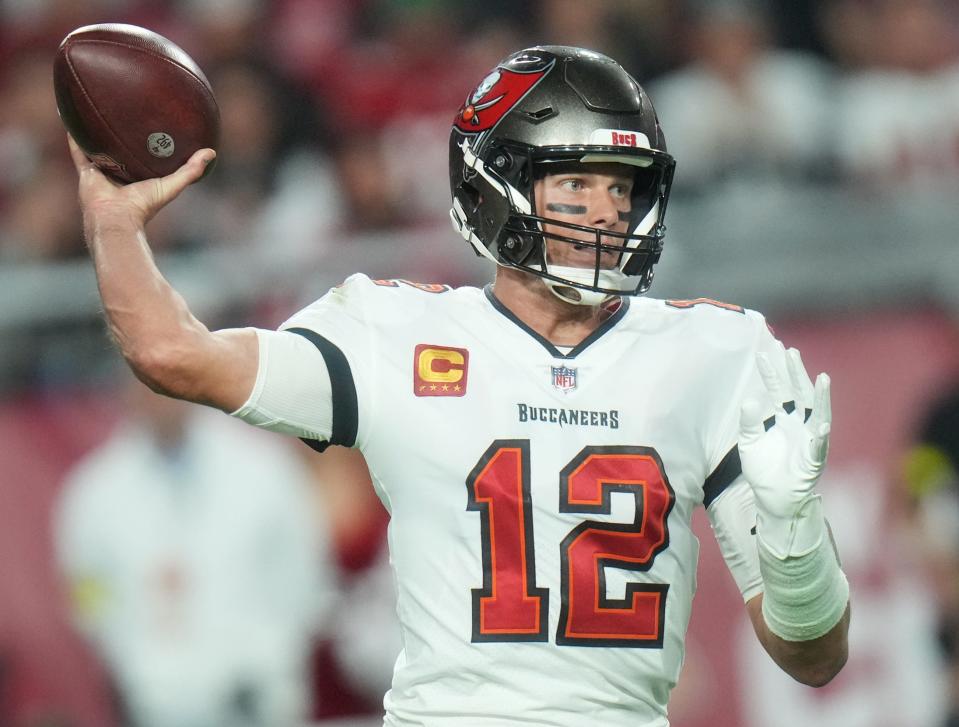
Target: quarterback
[(541, 444)]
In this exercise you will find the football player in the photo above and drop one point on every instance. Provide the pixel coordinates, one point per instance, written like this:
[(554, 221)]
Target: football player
[(541, 444)]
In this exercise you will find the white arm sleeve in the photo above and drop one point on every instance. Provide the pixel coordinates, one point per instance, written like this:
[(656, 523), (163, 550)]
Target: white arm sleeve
[(292, 393), (733, 517)]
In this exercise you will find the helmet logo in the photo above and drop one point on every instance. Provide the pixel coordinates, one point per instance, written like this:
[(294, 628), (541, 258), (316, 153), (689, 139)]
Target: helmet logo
[(495, 97), (485, 86)]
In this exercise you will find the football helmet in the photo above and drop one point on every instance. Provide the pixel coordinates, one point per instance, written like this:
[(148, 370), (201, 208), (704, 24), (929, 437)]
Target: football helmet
[(552, 105)]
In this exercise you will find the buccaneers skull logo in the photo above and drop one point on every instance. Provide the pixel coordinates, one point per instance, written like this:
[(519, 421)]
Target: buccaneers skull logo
[(496, 95)]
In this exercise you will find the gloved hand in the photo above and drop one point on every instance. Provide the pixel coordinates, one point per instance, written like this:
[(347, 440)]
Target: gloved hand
[(784, 463)]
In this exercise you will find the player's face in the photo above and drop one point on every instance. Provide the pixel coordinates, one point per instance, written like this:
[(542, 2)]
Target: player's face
[(593, 195)]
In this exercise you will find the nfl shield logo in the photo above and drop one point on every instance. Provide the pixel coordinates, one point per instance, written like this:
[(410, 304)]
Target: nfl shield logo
[(564, 378)]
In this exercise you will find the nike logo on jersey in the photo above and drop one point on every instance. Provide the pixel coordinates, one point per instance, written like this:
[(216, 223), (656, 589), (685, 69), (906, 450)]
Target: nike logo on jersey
[(572, 417)]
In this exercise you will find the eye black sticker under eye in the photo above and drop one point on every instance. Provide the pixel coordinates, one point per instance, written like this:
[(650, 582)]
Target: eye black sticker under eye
[(566, 209), (624, 217)]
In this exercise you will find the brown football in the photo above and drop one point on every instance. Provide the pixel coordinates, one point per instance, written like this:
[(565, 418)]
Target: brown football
[(135, 102)]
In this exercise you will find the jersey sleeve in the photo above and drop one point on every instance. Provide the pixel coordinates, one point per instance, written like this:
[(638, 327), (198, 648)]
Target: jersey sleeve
[(293, 392), (311, 369), (732, 516), (723, 452)]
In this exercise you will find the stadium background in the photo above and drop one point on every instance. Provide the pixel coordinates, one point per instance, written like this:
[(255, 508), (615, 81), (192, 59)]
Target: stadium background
[(818, 152)]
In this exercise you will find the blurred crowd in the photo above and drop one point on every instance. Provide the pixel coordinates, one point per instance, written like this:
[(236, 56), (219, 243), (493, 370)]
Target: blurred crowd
[(334, 111), (335, 115)]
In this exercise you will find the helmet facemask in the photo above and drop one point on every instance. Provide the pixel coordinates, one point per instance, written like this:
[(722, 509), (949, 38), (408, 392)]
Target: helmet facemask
[(506, 188)]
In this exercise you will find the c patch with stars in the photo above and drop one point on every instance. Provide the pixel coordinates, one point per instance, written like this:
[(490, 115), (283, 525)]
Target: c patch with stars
[(440, 370)]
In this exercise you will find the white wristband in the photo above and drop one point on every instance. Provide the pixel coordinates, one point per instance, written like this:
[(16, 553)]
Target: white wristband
[(805, 596)]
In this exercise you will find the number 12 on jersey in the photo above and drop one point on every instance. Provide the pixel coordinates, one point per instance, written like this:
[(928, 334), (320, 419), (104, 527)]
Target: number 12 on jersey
[(510, 607)]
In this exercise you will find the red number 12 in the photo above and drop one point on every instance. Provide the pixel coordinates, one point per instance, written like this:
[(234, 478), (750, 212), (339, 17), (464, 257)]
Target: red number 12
[(510, 607)]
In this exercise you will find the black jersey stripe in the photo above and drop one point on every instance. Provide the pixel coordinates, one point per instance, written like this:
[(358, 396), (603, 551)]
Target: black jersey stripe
[(726, 471), (345, 408)]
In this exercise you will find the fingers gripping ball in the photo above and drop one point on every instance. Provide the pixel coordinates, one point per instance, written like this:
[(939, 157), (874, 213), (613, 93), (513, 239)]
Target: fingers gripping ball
[(135, 102)]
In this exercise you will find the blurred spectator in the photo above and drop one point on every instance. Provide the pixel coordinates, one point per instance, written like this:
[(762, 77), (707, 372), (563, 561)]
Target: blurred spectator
[(898, 102), (272, 194), (198, 568), (309, 37), (429, 82), (797, 25), (37, 196), (571, 22), (366, 635), (393, 92), (30, 130), (645, 33), (407, 63), (741, 108), (354, 667), (369, 201), (41, 219), (640, 33), (224, 30), (931, 474), (41, 24)]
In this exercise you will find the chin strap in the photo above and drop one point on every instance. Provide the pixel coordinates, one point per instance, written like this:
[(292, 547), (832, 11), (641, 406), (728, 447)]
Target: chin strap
[(577, 296), (610, 279)]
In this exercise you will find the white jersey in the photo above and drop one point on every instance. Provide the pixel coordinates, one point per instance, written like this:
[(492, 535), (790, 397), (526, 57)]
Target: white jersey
[(541, 502)]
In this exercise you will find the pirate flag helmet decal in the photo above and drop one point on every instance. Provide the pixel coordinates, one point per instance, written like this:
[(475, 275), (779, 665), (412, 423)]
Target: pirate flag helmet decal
[(544, 107), (494, 97)]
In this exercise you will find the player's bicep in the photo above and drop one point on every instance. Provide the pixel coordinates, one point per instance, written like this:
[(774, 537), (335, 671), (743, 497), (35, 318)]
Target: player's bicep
[(291, 392), (733, 518)]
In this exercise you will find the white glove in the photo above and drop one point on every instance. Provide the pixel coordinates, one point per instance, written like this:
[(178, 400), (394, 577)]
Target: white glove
[(784, 463)]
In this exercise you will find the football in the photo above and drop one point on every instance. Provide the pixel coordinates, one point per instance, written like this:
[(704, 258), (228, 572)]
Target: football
[(135, 102)]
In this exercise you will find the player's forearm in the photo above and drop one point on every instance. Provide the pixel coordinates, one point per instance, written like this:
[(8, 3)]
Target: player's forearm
[(814, 662), (148, 319), (802, 618), (167, 348)]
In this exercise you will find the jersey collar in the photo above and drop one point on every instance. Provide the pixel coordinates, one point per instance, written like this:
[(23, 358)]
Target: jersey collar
[(605, 326)]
